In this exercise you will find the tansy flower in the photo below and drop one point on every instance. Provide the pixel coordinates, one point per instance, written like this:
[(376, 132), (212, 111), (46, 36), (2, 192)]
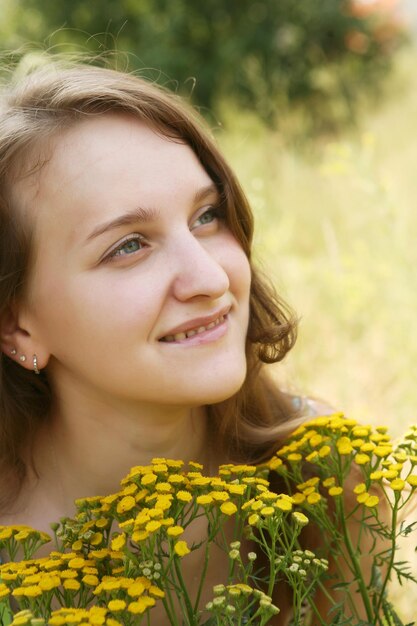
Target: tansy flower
[(118, 542), (397, 484), (313, 498), (300, 518), (116, 605), (362, 459), (181, 548), (267, 511), (324, 451), (228, 508), (175, 531), (204, 500), (371, 501), (140, 605), (283, 504), (126, 504), (183, 496)]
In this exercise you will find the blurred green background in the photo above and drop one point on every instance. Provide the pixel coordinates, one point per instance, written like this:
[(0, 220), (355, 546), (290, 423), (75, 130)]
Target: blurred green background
[(315, 105)]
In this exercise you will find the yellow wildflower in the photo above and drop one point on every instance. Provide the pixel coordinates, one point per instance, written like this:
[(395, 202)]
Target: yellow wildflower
[(90, 580), (127, 503), (362, 497), (118, 542), (71, 584), (275, 463), (371, 501), (412, 480), (116, 605), (298, 498), (335, 491), (149, 479), (382, 451), (228, 508), (140, 605), (238, 490), (76, 563), (313, 498), (267, 511), (156, 591), (175, 531), (184, 496), (204, 500), (362, 459), (397, 484), (139, 535), (324, 451), (283, 504), (181, 548), (300, 518)]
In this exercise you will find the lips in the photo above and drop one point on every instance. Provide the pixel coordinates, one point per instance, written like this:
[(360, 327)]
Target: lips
[(196, 326)]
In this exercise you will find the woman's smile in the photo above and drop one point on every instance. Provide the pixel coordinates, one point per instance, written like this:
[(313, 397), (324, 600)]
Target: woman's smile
[(199, 326)]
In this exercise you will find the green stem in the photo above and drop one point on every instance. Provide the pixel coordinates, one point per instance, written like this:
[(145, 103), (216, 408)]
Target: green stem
[(391, 561), (203, 576), (185, 596), (356, 568)]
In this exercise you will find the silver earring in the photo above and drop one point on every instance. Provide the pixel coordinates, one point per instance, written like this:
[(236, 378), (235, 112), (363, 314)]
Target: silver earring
[(35, 364), (13, 351), (22, 358)]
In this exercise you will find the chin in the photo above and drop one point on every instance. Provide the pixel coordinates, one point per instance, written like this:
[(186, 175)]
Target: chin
[(219, 388)]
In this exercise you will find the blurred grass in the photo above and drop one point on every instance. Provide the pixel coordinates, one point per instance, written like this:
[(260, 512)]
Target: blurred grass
[(336, 229), (337, 232)]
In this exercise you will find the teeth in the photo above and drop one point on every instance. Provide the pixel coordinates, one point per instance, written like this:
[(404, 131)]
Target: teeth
[(195, 331)]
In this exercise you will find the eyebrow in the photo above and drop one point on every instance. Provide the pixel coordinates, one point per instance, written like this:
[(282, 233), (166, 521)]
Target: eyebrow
[(146, 215)]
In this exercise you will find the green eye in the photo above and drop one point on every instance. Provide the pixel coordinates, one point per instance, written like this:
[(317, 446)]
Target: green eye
[(209, 216), (133, 245)]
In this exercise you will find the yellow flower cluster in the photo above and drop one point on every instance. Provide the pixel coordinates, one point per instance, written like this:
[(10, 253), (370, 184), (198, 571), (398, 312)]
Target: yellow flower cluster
[(332, 444), (115, 555), (153, 507)]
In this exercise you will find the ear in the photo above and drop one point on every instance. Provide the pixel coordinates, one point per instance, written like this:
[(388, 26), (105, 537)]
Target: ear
[(18, 343)]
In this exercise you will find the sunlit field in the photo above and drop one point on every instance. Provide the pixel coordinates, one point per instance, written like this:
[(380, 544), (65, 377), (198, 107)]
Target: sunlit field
[(337, 232)]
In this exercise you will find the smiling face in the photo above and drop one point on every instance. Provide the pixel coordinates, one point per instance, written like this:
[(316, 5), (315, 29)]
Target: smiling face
[(139, 292)]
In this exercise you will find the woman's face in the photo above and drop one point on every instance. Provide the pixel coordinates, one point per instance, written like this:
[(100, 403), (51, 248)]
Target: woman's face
[(139, 291)]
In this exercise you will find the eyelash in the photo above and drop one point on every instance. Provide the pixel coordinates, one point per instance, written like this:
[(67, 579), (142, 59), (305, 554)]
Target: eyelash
[(217, 211)]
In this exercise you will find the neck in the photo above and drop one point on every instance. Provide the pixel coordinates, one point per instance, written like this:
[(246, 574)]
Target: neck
[(87, 453)]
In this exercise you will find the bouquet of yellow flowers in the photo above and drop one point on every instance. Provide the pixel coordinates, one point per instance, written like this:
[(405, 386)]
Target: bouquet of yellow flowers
[(121, 558)]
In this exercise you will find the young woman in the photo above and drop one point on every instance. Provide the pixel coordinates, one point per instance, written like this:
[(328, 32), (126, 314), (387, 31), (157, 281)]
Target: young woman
[(132, 321)]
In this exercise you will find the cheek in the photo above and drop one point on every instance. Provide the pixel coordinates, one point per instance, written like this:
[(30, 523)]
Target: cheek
[(107, 305), (238, 269)]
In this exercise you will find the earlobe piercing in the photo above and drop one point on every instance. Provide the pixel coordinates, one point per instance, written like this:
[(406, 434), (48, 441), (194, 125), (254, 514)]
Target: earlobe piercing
[(35, 364), (22, 358), (13, 351)]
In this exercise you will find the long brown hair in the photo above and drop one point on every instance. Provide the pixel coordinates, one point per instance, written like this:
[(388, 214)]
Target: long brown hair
[(41, 104)]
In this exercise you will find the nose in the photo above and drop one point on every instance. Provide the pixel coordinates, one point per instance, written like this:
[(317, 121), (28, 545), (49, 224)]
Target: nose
[(198, 271)]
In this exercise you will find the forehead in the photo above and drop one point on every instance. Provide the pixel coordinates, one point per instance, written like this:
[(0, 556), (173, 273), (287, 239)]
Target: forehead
[(100, 166)]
